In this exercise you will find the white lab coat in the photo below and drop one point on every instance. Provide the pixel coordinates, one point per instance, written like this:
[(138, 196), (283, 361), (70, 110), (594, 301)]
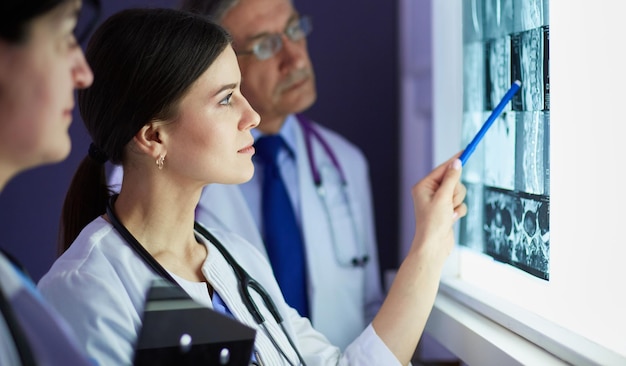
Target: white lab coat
[(99, 285), (343, 300)]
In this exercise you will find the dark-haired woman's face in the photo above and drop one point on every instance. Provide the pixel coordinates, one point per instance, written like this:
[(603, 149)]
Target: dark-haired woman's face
[(210, 141), (37, 80)]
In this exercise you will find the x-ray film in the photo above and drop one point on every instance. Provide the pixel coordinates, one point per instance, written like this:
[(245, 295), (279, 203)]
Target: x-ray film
[(508, 177), (529, 63), (529, 14), (498, 71), (470, 226), (532, 163), (474, 168), (499, 145), (516, 230), (473, 22), (498, 15), (474, 77)]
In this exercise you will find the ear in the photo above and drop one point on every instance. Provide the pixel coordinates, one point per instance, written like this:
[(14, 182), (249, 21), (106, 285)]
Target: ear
[(150, 139)]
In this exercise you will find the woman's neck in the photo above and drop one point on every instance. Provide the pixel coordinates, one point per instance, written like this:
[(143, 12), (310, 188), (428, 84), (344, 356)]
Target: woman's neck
[(164, 227)]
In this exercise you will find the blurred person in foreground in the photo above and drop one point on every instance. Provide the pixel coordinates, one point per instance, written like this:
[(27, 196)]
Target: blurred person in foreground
[(41, 64)]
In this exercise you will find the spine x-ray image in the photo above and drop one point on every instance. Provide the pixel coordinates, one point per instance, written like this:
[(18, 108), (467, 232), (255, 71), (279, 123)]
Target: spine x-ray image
[(508, 178), (516, 229)]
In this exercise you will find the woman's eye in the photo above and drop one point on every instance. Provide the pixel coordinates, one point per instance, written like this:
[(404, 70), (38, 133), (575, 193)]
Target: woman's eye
[(226, 101)]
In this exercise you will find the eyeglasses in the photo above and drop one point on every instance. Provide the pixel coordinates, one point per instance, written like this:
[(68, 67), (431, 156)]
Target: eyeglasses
[(269, 45)]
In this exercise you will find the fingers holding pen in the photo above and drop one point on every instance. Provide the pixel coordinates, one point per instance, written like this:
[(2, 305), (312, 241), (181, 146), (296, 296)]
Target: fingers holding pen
[(425, 190), (439, 196), (458, 201), (438, 203), (452, 177)]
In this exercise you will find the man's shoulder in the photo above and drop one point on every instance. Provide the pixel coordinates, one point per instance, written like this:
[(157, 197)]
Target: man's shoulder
[(336, 140)]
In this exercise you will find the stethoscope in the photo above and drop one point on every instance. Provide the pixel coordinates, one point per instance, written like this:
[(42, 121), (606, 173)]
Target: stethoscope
[(361, 256), (245, 281)]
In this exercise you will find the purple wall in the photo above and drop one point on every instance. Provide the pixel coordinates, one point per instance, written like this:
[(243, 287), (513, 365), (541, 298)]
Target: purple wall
[(354, 50)]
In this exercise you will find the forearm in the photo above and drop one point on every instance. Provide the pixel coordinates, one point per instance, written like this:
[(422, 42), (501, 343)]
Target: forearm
[(402, 317)]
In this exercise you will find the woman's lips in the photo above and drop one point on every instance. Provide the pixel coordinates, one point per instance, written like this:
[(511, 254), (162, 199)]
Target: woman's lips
[(247, 150)]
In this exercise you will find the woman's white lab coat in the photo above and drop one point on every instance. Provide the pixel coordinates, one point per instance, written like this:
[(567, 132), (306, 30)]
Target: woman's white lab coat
[(343, 299), (99, 285)]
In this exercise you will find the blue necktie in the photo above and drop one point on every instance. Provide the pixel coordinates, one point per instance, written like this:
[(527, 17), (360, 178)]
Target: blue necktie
[(283, 239)]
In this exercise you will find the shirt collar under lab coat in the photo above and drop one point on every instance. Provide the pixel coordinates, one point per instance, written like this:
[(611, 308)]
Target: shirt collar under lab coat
[(287, 132)]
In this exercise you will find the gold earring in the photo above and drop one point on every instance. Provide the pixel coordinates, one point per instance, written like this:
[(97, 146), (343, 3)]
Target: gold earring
[(160, 161)]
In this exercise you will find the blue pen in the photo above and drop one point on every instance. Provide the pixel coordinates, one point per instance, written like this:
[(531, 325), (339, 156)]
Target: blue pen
[(496, 112)]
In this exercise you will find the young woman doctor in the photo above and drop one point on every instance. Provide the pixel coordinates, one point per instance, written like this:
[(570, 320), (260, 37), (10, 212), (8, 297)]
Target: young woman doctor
[(166, 104)]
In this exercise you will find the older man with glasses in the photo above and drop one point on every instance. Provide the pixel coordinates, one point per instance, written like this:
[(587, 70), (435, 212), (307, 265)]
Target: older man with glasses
[(321, 242)]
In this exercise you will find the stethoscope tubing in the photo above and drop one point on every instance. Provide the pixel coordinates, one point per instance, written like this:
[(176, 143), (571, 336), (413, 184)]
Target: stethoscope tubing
[(245, 281), (309, 131), (361, 258)]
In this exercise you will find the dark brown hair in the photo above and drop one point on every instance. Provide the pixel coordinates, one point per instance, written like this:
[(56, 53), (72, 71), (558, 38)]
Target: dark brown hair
[(144, 61), (17, 15)]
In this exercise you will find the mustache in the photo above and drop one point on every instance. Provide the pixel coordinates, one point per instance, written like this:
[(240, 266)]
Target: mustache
[(294, 77)]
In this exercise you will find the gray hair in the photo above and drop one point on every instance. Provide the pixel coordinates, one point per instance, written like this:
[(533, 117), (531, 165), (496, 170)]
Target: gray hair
[(215, 10)]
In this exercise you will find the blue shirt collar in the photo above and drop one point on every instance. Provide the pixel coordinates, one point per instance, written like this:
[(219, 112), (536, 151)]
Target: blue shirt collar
[(288, 133)]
